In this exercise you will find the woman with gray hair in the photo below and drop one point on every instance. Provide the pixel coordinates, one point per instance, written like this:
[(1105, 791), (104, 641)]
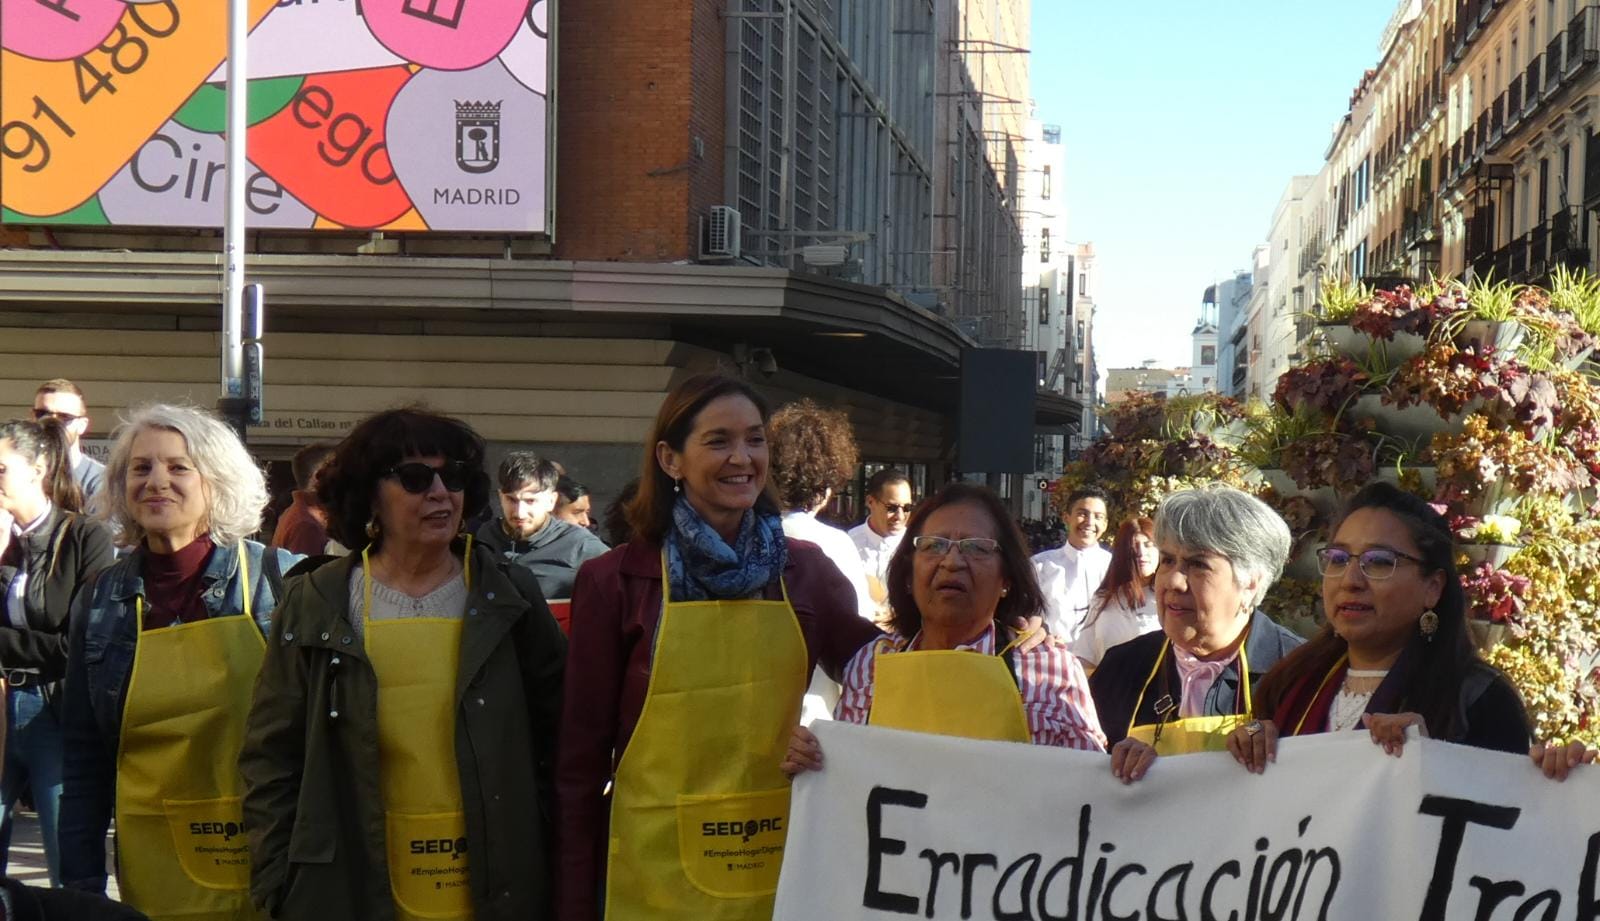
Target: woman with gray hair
[(1185, 688), (162, 654)]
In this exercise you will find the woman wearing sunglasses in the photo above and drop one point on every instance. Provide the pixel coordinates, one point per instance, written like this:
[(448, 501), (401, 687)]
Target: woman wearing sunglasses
[(1395, 652), (949, 667), (399, 749), (162, 652)]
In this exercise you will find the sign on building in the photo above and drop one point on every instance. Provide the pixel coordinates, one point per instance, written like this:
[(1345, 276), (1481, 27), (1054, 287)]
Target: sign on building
[(366, 114)]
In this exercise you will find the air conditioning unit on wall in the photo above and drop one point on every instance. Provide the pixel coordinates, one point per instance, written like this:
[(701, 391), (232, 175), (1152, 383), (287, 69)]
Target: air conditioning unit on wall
[(720, 234)]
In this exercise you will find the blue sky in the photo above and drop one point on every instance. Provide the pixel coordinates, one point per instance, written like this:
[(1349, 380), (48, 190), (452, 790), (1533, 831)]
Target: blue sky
[(1183, 121)]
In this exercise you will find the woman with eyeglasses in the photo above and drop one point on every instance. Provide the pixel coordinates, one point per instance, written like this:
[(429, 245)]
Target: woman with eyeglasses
[(1395, 652), (1184, 688), (49, 553), (949, 667), (398, 755), (163, 649)]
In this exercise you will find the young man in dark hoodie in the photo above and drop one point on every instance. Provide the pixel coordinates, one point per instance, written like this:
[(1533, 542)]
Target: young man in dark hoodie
[(530, 535)]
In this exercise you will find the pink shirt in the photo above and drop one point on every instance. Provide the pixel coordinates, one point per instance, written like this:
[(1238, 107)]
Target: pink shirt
[(1197, 676), (1055, 693)]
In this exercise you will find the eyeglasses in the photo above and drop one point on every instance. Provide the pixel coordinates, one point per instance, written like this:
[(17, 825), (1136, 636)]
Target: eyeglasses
[(417, 477), (63, 418), (973, 548), (1376, 564), (892, 509)]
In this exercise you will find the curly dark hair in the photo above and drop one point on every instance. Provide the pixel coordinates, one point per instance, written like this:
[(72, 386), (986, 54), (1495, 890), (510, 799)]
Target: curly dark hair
[(813, 450), (348, 483), (1025, 598)]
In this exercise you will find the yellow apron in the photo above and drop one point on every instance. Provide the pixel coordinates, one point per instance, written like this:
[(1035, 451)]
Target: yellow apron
[(416, 660), (181, 844), (1191, 734), (952, 692), (700, 807)]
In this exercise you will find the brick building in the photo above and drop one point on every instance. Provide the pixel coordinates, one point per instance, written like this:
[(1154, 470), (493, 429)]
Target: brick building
[(755, 185)]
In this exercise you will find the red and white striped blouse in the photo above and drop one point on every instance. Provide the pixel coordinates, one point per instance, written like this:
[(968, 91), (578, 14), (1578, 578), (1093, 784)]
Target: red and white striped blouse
[(1055, 692)]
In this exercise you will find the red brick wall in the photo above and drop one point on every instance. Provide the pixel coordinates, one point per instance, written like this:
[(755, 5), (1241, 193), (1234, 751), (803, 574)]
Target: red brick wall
[(636, 84)]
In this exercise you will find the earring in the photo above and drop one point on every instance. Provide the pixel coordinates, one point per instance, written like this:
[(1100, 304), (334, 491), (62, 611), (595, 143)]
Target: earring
[(677, 485), (1428, 625), (373, 528), (1004, 592)]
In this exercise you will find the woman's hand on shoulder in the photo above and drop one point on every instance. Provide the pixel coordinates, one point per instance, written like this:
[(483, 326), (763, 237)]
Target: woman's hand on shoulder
[(1254, 745), (1033, 633), (805, 753), (1131, 759), (1389, 729), (1558, 760)]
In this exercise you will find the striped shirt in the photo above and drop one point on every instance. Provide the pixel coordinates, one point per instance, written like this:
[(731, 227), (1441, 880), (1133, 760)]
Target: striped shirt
[(1055, 693)]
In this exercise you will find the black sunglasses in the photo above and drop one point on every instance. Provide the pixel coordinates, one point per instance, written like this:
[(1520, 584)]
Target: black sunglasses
[(417, 477), (66, 418)]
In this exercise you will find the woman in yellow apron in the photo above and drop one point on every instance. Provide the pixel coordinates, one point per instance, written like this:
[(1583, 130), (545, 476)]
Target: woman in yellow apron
[(1184, 688), (690, 650), (398, 753), (948, 667), (162, 656)]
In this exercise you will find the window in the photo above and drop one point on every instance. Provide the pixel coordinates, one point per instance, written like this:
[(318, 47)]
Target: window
[(1544, 188), (1081, 333), (1044, 186), (1208, 355), (1083, 282), (1044, 306), (1563, 190), (1044, 245)]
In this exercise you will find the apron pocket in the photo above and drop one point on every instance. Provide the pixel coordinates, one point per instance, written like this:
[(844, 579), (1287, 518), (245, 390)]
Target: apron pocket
[(428, 865), (731, 847), (209, 836), (1191, 735)]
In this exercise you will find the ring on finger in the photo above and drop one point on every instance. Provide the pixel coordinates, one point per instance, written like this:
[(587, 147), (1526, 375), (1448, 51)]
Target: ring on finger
[(1252, 728)]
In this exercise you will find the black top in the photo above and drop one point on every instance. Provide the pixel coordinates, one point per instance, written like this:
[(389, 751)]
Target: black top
[(1117, 683)]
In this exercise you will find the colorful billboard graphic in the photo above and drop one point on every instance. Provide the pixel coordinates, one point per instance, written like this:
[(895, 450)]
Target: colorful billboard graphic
[(363, 114)]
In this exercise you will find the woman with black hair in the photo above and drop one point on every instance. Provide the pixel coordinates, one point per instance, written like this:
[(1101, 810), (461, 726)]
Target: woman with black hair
[(1395, 652), (48, 553), (399, 750)]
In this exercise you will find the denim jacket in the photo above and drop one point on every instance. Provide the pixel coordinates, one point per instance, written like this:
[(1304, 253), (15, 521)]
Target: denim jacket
[(104, 630)]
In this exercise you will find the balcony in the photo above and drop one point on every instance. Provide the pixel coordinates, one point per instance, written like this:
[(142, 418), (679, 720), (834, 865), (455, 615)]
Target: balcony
[(1533, 85), (1472, 16), (1582, 50), (1552, 62), (1497, 119), (1530, 258), (1514, 101)]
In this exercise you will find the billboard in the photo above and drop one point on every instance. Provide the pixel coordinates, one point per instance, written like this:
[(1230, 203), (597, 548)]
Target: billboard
[(363, 114)]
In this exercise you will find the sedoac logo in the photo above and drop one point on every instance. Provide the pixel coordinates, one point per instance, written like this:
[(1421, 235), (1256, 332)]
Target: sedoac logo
[(226, 829), (455, 847), (746, 829)]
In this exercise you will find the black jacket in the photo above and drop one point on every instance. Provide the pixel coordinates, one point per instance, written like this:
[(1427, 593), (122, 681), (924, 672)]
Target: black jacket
[(1117, 683), (31, 903), (553, 555), (61, 557)]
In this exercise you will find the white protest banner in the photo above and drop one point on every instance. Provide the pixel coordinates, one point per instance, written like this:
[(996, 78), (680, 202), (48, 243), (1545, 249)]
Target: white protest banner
[(901, 825)]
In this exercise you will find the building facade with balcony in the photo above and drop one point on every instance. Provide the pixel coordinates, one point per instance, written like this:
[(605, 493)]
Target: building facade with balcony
[(1518, 197)]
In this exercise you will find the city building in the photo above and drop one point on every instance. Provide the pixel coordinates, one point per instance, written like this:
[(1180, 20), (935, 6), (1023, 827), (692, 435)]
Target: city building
[(1465, 153), (1203, 363), (819, 196), (1275, 338), (1230, 300), (1147, 378)]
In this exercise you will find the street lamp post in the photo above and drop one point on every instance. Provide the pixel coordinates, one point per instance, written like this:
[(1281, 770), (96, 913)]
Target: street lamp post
[(233, 404)]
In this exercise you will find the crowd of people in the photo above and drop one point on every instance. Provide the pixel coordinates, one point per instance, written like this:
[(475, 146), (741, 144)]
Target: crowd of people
[(436, 693)]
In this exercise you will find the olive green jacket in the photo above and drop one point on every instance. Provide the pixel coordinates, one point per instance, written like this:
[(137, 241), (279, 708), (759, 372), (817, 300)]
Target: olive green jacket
[(310, 760)]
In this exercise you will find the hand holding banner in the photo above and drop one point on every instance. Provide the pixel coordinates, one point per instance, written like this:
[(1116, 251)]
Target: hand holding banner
[(904, 824)]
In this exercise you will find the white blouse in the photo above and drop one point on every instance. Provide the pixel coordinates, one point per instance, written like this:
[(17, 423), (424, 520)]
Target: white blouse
[(1111, 623)]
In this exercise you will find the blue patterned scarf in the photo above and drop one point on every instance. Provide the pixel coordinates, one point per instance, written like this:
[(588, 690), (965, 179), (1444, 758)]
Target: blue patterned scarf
[(701, 566)]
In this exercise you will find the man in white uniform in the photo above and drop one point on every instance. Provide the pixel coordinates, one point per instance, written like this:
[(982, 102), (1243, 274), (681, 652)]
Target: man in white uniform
[(888, 509), (1071, 573)]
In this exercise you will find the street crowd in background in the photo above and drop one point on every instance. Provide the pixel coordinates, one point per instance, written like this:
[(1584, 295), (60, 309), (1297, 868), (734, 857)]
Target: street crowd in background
[(433, 690)]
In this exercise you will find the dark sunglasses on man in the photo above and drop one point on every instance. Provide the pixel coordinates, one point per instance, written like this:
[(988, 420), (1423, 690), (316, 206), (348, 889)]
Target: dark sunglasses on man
[(417, 477), (63, 418)]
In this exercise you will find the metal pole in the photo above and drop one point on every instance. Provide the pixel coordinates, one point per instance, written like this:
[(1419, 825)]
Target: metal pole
[(231, 404)]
